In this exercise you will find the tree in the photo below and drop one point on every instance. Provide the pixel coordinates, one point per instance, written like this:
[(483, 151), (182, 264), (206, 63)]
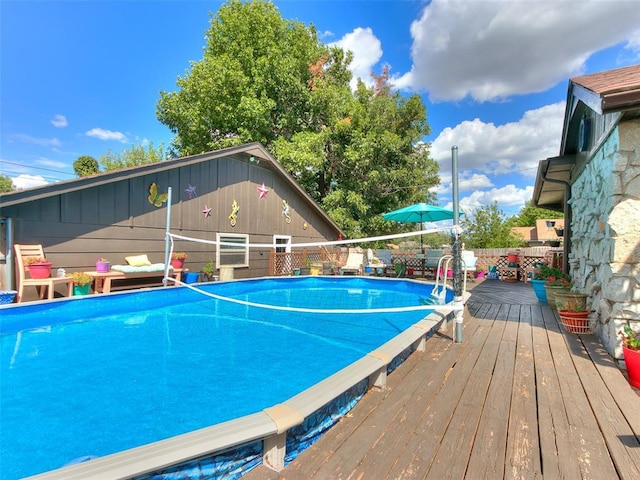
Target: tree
[(487, 228), (271, 80), (253, 83), (136, 155), (6, 184), (85, 166), (529, 214)]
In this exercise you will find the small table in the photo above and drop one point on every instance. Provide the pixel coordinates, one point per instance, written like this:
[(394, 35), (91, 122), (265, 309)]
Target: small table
[(103, 279)]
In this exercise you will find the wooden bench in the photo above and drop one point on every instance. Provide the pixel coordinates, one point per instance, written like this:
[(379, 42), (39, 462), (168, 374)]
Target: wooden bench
[(103, 281)]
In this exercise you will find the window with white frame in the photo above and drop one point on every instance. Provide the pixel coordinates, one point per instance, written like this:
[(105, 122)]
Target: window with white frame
[(233, 250)]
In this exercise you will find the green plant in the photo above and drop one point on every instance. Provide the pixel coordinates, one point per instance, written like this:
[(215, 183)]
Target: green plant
[(80, 278), (547, 271), (571, 302), (178, 256), (34, 260), (564, 281), (630, 338), (209, 268)]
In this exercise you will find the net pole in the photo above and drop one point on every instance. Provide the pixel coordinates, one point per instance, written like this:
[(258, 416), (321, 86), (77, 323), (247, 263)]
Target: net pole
[(167, 239), (456, 247)]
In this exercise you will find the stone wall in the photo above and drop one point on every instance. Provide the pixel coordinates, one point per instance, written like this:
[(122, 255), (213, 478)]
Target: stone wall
[(605, 234)]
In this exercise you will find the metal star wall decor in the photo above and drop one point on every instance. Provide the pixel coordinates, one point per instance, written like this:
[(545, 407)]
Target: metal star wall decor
[(191, 191), (262, 191), (206, 211)]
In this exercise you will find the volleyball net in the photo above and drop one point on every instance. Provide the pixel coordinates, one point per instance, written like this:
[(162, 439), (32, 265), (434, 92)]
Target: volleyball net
[(328, 299)]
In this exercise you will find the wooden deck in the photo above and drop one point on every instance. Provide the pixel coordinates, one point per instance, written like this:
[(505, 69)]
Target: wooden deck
[(517, 399)]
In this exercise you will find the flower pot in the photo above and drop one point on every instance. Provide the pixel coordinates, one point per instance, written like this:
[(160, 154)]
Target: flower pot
[(102, 267), (571, 301), (539, 290), (177, 263), (296, 271), (305, 270), (512, 257), (551, 291), (81, 290), (574, 322), (632, 362), (554, 243), (40, 270), (479, 274)]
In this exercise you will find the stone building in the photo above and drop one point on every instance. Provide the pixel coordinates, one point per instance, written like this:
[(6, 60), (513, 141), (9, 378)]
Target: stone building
[(595, 181)]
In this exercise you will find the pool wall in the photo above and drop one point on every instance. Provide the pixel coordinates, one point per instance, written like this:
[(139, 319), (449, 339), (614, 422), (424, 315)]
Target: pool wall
[(273, 436)]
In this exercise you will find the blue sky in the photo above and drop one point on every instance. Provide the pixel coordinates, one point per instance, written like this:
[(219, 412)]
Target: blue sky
[(83, 77)]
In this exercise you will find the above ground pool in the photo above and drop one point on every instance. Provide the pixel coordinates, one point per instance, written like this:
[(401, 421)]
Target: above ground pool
[(87, 377)]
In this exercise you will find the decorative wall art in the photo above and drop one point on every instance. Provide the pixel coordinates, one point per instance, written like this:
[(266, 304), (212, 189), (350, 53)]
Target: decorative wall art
[(233, 216), (285, 211), (191, 191), (156, 198), (206, 211), (262, 191), (305, 225)]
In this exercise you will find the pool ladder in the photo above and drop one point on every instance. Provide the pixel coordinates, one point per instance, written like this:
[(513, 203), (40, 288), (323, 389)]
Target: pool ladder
[(439, 292)]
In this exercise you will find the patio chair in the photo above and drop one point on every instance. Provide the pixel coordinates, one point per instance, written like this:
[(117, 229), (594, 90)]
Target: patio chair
[(469, 261), (354, 265), (41, 284)]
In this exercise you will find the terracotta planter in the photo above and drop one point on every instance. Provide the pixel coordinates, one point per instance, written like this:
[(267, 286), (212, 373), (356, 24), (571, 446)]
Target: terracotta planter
[(632, 361), (177, 263), (551, 291), (40, 270), (575, 322), (512, 257)]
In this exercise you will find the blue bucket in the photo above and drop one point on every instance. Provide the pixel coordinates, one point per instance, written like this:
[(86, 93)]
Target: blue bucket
[(191, 277)]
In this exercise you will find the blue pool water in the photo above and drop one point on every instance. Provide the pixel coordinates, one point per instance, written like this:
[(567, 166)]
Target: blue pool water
[(96, 375)]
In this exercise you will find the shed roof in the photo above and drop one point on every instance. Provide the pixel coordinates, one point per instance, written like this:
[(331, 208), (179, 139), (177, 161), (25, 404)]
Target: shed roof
[(255, 149)]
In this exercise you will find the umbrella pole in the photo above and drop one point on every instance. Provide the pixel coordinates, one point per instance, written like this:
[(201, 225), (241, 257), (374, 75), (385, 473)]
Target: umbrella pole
[(456, 247)]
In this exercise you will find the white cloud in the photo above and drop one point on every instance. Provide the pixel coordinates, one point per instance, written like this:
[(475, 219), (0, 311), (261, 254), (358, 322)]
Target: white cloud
[(494, 150), (367, 51), (103, 134), (27, 181), (44, 142), (492, 49), (510, 199), (59, 121)]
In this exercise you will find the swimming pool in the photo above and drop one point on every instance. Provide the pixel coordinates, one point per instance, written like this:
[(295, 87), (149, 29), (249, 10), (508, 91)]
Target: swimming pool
[(101, 374)]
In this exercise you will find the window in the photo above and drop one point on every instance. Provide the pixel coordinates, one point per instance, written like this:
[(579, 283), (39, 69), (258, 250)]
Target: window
[(234, 252)]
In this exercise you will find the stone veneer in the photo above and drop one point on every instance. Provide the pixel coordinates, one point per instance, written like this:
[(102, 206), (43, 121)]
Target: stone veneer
[(605, 234)]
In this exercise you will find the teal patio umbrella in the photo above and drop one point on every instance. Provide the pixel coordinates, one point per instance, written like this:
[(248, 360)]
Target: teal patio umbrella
[(419, 213)]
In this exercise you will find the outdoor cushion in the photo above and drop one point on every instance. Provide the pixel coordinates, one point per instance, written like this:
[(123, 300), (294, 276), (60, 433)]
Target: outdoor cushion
[(138, 260), (155, 267)]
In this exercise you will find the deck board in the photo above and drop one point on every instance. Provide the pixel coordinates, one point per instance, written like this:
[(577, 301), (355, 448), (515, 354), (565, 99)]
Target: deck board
[(518, 398)]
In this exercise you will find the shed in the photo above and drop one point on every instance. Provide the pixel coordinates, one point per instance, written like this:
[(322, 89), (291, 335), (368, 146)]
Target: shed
[(595, 181), (239, 194)]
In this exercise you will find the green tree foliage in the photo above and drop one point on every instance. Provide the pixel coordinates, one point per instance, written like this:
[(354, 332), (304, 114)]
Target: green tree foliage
[(131, 157), (487, 228), (366, 159), (85, 166), (529, 214), (253, 84), (266, 79), (6, 185)]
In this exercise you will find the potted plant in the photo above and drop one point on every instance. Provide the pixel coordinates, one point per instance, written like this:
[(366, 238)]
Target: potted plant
[(631, 353), (81, 283), (572, 309), (177, 259), (539, 277), (556, 281), (38, 267), (306, 267), (209, 269), (102, 265)]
